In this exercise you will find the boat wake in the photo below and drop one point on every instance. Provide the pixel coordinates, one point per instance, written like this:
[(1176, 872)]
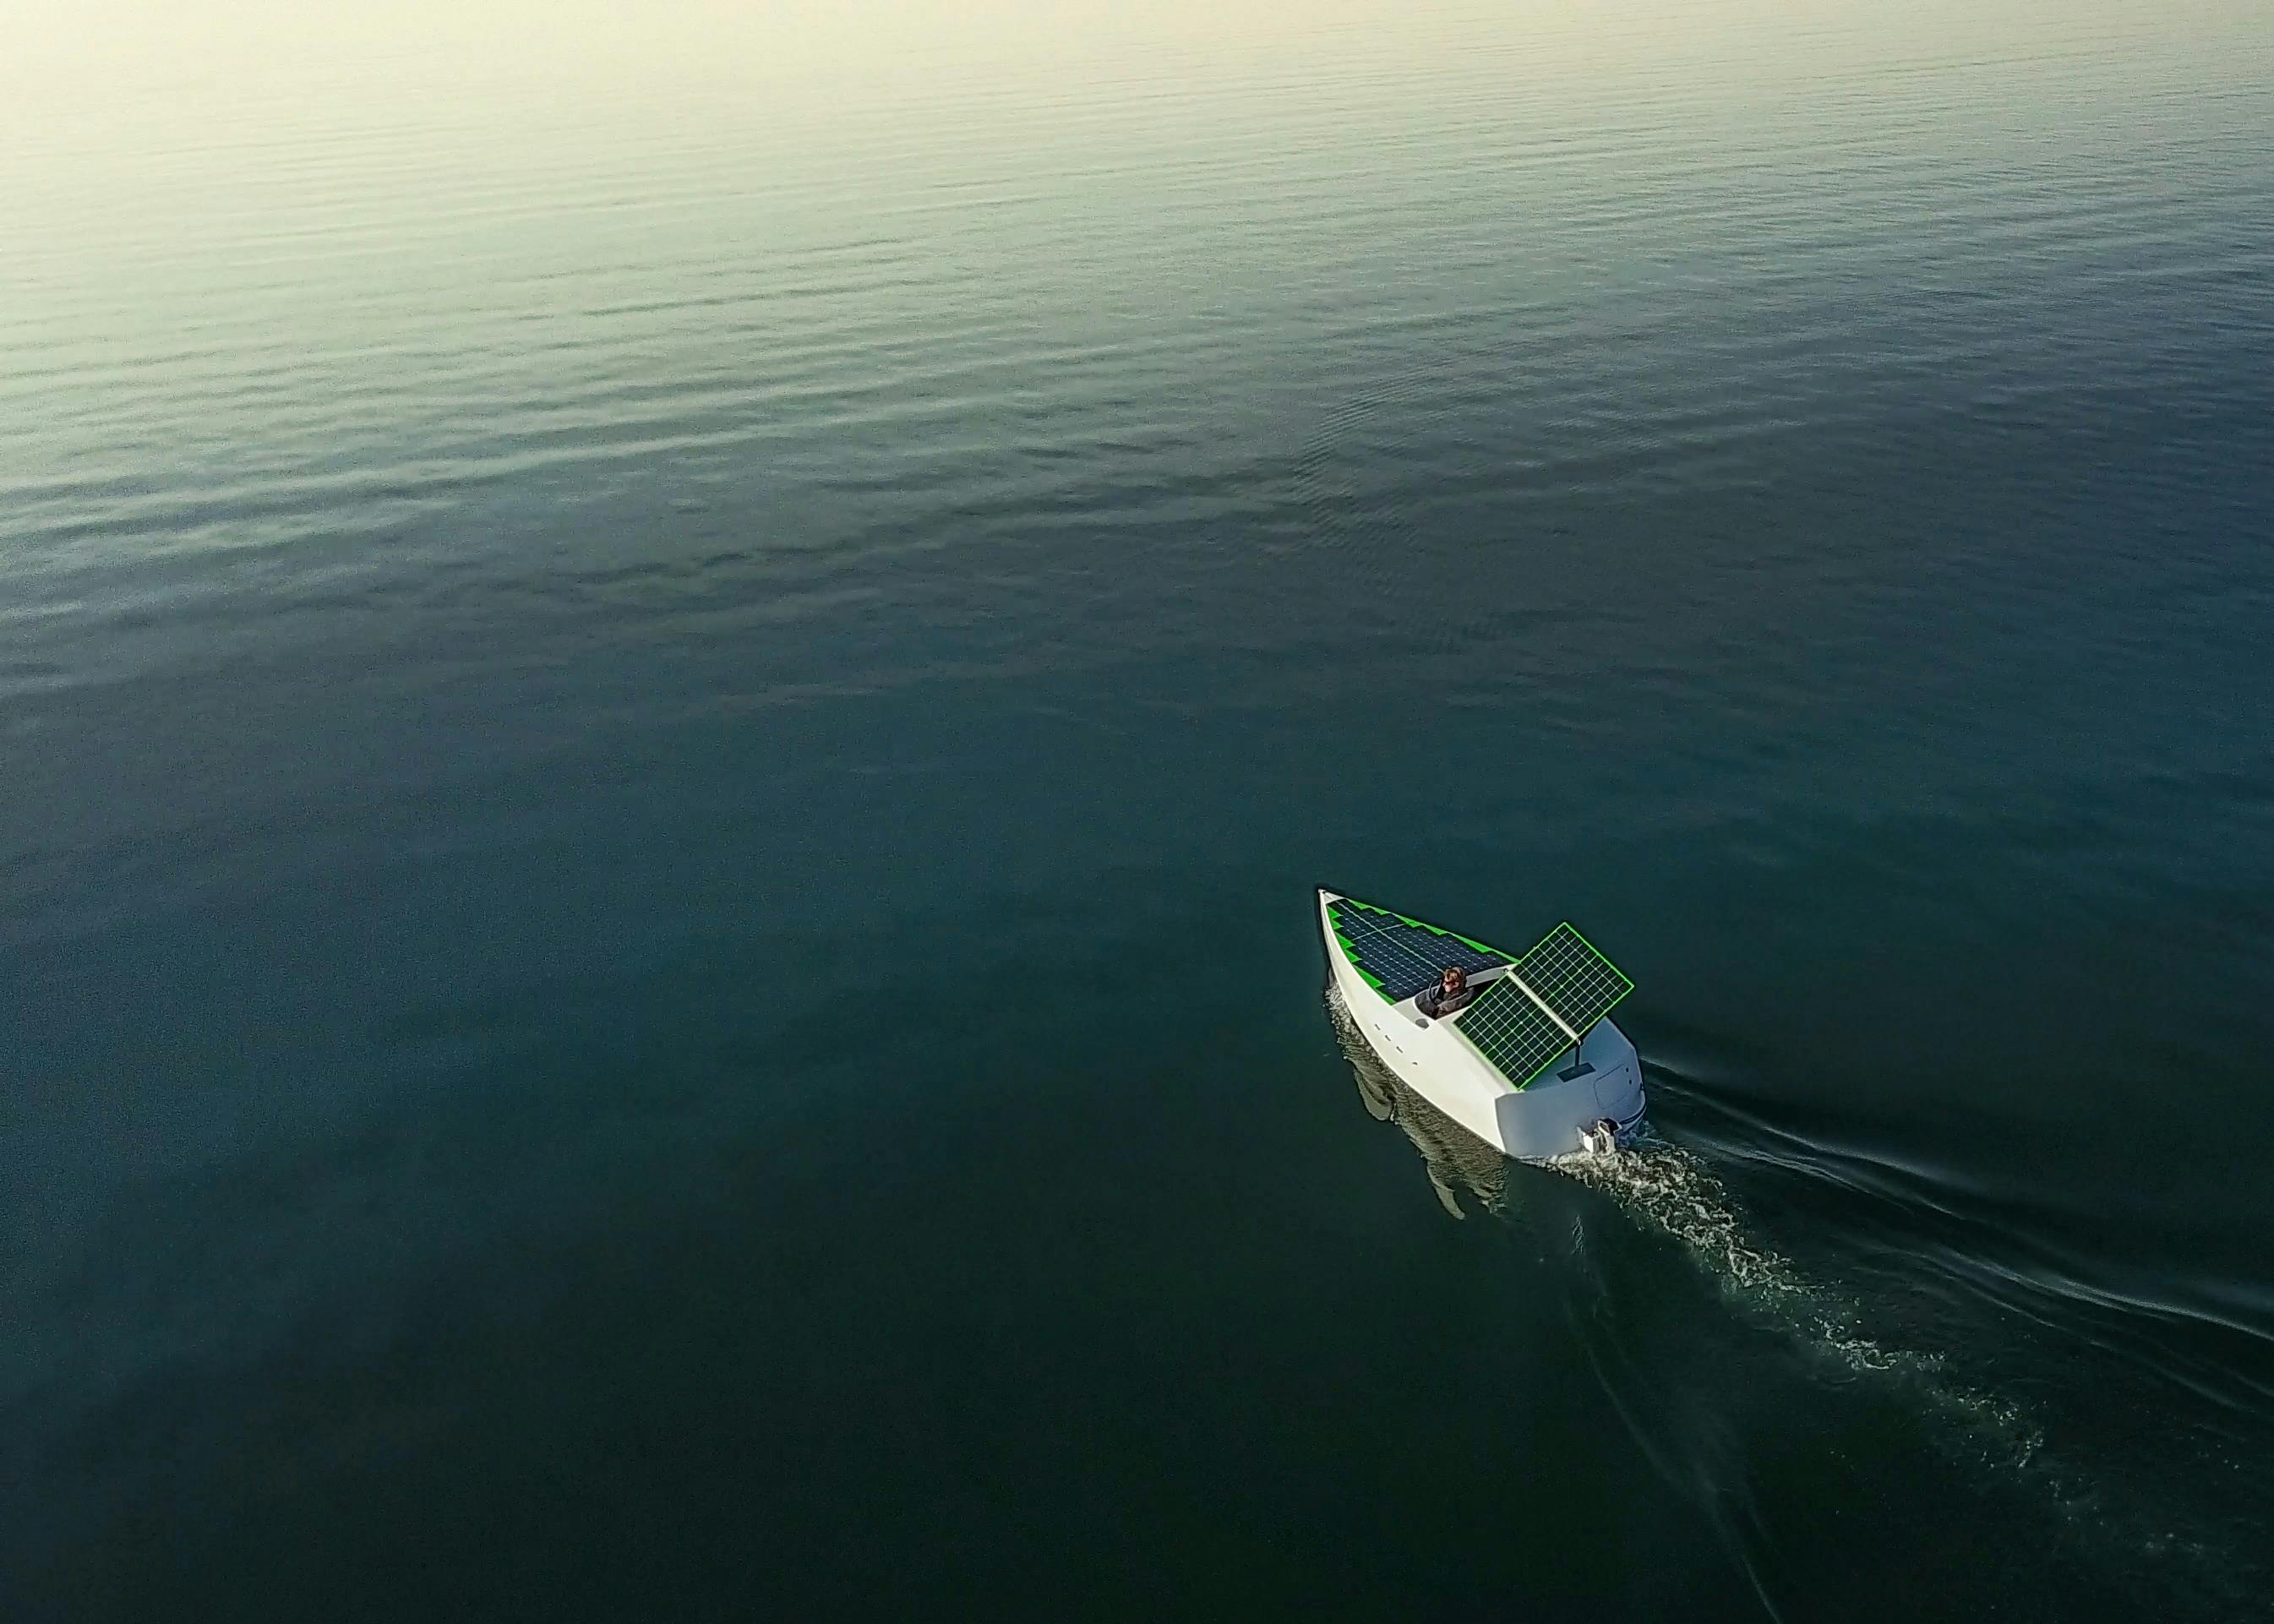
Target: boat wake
[(1673, 1190)]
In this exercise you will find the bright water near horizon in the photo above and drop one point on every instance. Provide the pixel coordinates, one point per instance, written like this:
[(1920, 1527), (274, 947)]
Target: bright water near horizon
[(670, 685)]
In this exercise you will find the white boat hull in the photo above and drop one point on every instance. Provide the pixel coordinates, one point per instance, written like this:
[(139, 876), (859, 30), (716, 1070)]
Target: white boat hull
[(1549, 1118)]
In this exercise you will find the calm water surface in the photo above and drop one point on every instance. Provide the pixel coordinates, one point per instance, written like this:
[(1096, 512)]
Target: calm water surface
[(670, 686)]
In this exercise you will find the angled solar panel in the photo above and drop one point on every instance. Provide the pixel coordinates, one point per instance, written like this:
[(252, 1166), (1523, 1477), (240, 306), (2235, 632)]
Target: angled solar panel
[(1401, 956), (1553, 998), (1577, 984)]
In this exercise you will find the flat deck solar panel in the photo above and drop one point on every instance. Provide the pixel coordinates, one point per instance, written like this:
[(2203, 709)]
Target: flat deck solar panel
[(1572, 979), (1401, 956), (1512, 1032)]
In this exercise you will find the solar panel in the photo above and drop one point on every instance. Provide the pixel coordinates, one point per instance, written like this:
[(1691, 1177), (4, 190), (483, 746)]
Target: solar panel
[(1512, 1032), (1546, 1005), (1401, 956), (1572, 979)]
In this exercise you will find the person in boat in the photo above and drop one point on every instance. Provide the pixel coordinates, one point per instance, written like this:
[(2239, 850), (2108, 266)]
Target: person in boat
[(1453, 992)]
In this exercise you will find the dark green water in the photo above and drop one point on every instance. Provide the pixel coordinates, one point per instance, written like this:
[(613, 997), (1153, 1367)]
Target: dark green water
[(670, 688)]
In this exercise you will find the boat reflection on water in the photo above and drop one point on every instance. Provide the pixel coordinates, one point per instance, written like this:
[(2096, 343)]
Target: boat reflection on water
[(1468, 1175)]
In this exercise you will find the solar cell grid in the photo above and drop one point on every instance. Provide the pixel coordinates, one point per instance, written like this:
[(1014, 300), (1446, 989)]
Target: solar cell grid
[(1401, 956), (1572, 979), (1576, 983), (1512, 1032)]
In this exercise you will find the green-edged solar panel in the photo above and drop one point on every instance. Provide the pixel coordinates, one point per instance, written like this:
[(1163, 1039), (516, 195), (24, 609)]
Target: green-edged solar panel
[(1508, 1026), (1512, 1032), (1401, 956), (1572, 979)]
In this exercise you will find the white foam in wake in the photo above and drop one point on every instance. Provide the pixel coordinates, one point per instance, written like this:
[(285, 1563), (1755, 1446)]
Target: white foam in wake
[(1674, 1191)]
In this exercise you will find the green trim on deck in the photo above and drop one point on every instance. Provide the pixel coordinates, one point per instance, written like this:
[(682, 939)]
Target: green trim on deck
[(1419, 924), (1350, 949)]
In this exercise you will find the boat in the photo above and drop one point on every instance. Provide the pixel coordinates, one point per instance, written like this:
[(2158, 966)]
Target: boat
[(1531, 1064)]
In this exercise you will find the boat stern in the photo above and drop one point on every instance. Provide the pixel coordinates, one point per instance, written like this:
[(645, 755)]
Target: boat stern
[(1565, 1108)]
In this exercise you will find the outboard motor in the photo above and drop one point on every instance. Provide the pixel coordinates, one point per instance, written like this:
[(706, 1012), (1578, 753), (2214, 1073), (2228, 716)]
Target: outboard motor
[(1599, 1137)]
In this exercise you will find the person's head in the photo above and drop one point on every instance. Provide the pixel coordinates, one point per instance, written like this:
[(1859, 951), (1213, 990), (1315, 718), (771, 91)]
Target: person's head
[(1455, 978)]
